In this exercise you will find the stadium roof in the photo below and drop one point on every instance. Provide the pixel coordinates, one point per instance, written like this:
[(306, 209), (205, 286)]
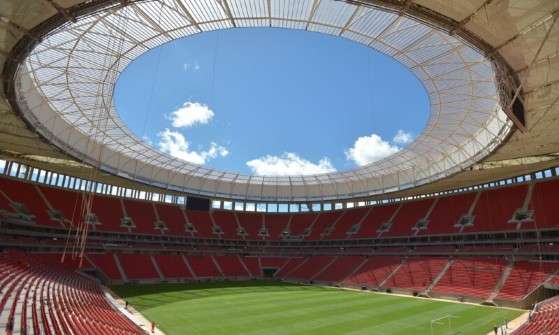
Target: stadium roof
[(470, 55)]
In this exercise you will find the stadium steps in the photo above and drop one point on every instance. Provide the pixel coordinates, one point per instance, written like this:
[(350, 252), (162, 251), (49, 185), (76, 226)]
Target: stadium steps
[(354, 229), (239, 227), (526, 203), (120, 268), (354, 272), (313, 265), (253, 265), (126, 213), (544, 320), (339, 269), (447, 213), (374, 220), (251, 224), (275, 225), (46, 324), (287, 228), (50, 207), (346, 223), (172, 219), (172, 267), (10, 296), (504, 276), (204, 267), (529, 195), (37, 298), (138, 266), (525, 278), (158, 219), (218, 267), (187, 263), (156, 267), (408, 216), (438, 277), (330, 228), (324, 268), (19, 305), (245, 267), (187, 222), (392, 218), (471, 277), (312, 227), (296, 268), (496, 208), (283, 267), (214, 224), (426, 218), (472, 209), (28, 313), (96, 267), (396, 269), (553, 281)]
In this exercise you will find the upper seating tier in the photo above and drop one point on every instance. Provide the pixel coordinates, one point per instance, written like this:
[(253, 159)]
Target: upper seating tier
[(492, 210)]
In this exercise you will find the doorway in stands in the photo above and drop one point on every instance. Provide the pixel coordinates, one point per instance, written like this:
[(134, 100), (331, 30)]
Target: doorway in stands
[(269, 272)]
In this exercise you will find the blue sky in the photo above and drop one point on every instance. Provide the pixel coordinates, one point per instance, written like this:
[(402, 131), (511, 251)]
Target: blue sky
[(271, 101)]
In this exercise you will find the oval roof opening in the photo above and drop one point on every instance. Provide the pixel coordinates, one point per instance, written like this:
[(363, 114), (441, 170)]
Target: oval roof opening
[(269, 101)]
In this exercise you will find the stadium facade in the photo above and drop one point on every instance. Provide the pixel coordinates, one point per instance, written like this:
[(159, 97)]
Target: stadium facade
[(467, 211)]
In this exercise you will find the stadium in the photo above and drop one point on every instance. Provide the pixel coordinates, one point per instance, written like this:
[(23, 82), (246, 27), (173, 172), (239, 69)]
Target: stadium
[(451, 229)]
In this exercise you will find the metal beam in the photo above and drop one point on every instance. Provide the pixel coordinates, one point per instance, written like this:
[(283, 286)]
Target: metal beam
[(396, 21), (225, 6), (525, 31), (10, 23), (544, 61), (533, 90), (314, 7), (519, 88), (63, 11), (350, 20), (157, 27), (189, 16), (468, 18)]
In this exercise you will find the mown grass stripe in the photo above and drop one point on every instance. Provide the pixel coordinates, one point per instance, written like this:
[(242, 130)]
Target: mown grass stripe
[(272, 308), (286, 313)]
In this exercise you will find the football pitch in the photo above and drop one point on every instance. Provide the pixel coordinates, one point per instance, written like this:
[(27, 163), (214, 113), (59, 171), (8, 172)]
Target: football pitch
[(261, 307)]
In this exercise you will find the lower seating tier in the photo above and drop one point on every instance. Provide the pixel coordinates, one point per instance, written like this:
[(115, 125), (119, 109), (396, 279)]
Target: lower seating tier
[(544, 320), (48, 299), (41, 295)]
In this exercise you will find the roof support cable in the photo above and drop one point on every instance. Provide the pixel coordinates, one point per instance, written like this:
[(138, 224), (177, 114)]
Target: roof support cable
[(149, 104), (534, 59), (76, 245)]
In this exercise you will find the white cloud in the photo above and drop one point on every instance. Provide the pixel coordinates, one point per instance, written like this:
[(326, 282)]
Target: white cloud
[(176, 145), (402, 137), (191, 113), (288, 164), (191, 67), (368, 149)]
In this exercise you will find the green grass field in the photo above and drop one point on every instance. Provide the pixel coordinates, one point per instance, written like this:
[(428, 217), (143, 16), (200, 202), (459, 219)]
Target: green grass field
[(259, 307)]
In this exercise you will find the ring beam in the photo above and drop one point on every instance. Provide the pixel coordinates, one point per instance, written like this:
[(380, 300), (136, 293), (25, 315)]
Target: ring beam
[(64, 84)]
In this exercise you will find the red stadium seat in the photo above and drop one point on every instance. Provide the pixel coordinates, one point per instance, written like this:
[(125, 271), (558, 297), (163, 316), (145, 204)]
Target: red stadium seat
[(173, 266), (58, 301)]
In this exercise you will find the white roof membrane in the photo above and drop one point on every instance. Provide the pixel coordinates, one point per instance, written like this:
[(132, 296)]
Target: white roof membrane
[(65, 85)]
